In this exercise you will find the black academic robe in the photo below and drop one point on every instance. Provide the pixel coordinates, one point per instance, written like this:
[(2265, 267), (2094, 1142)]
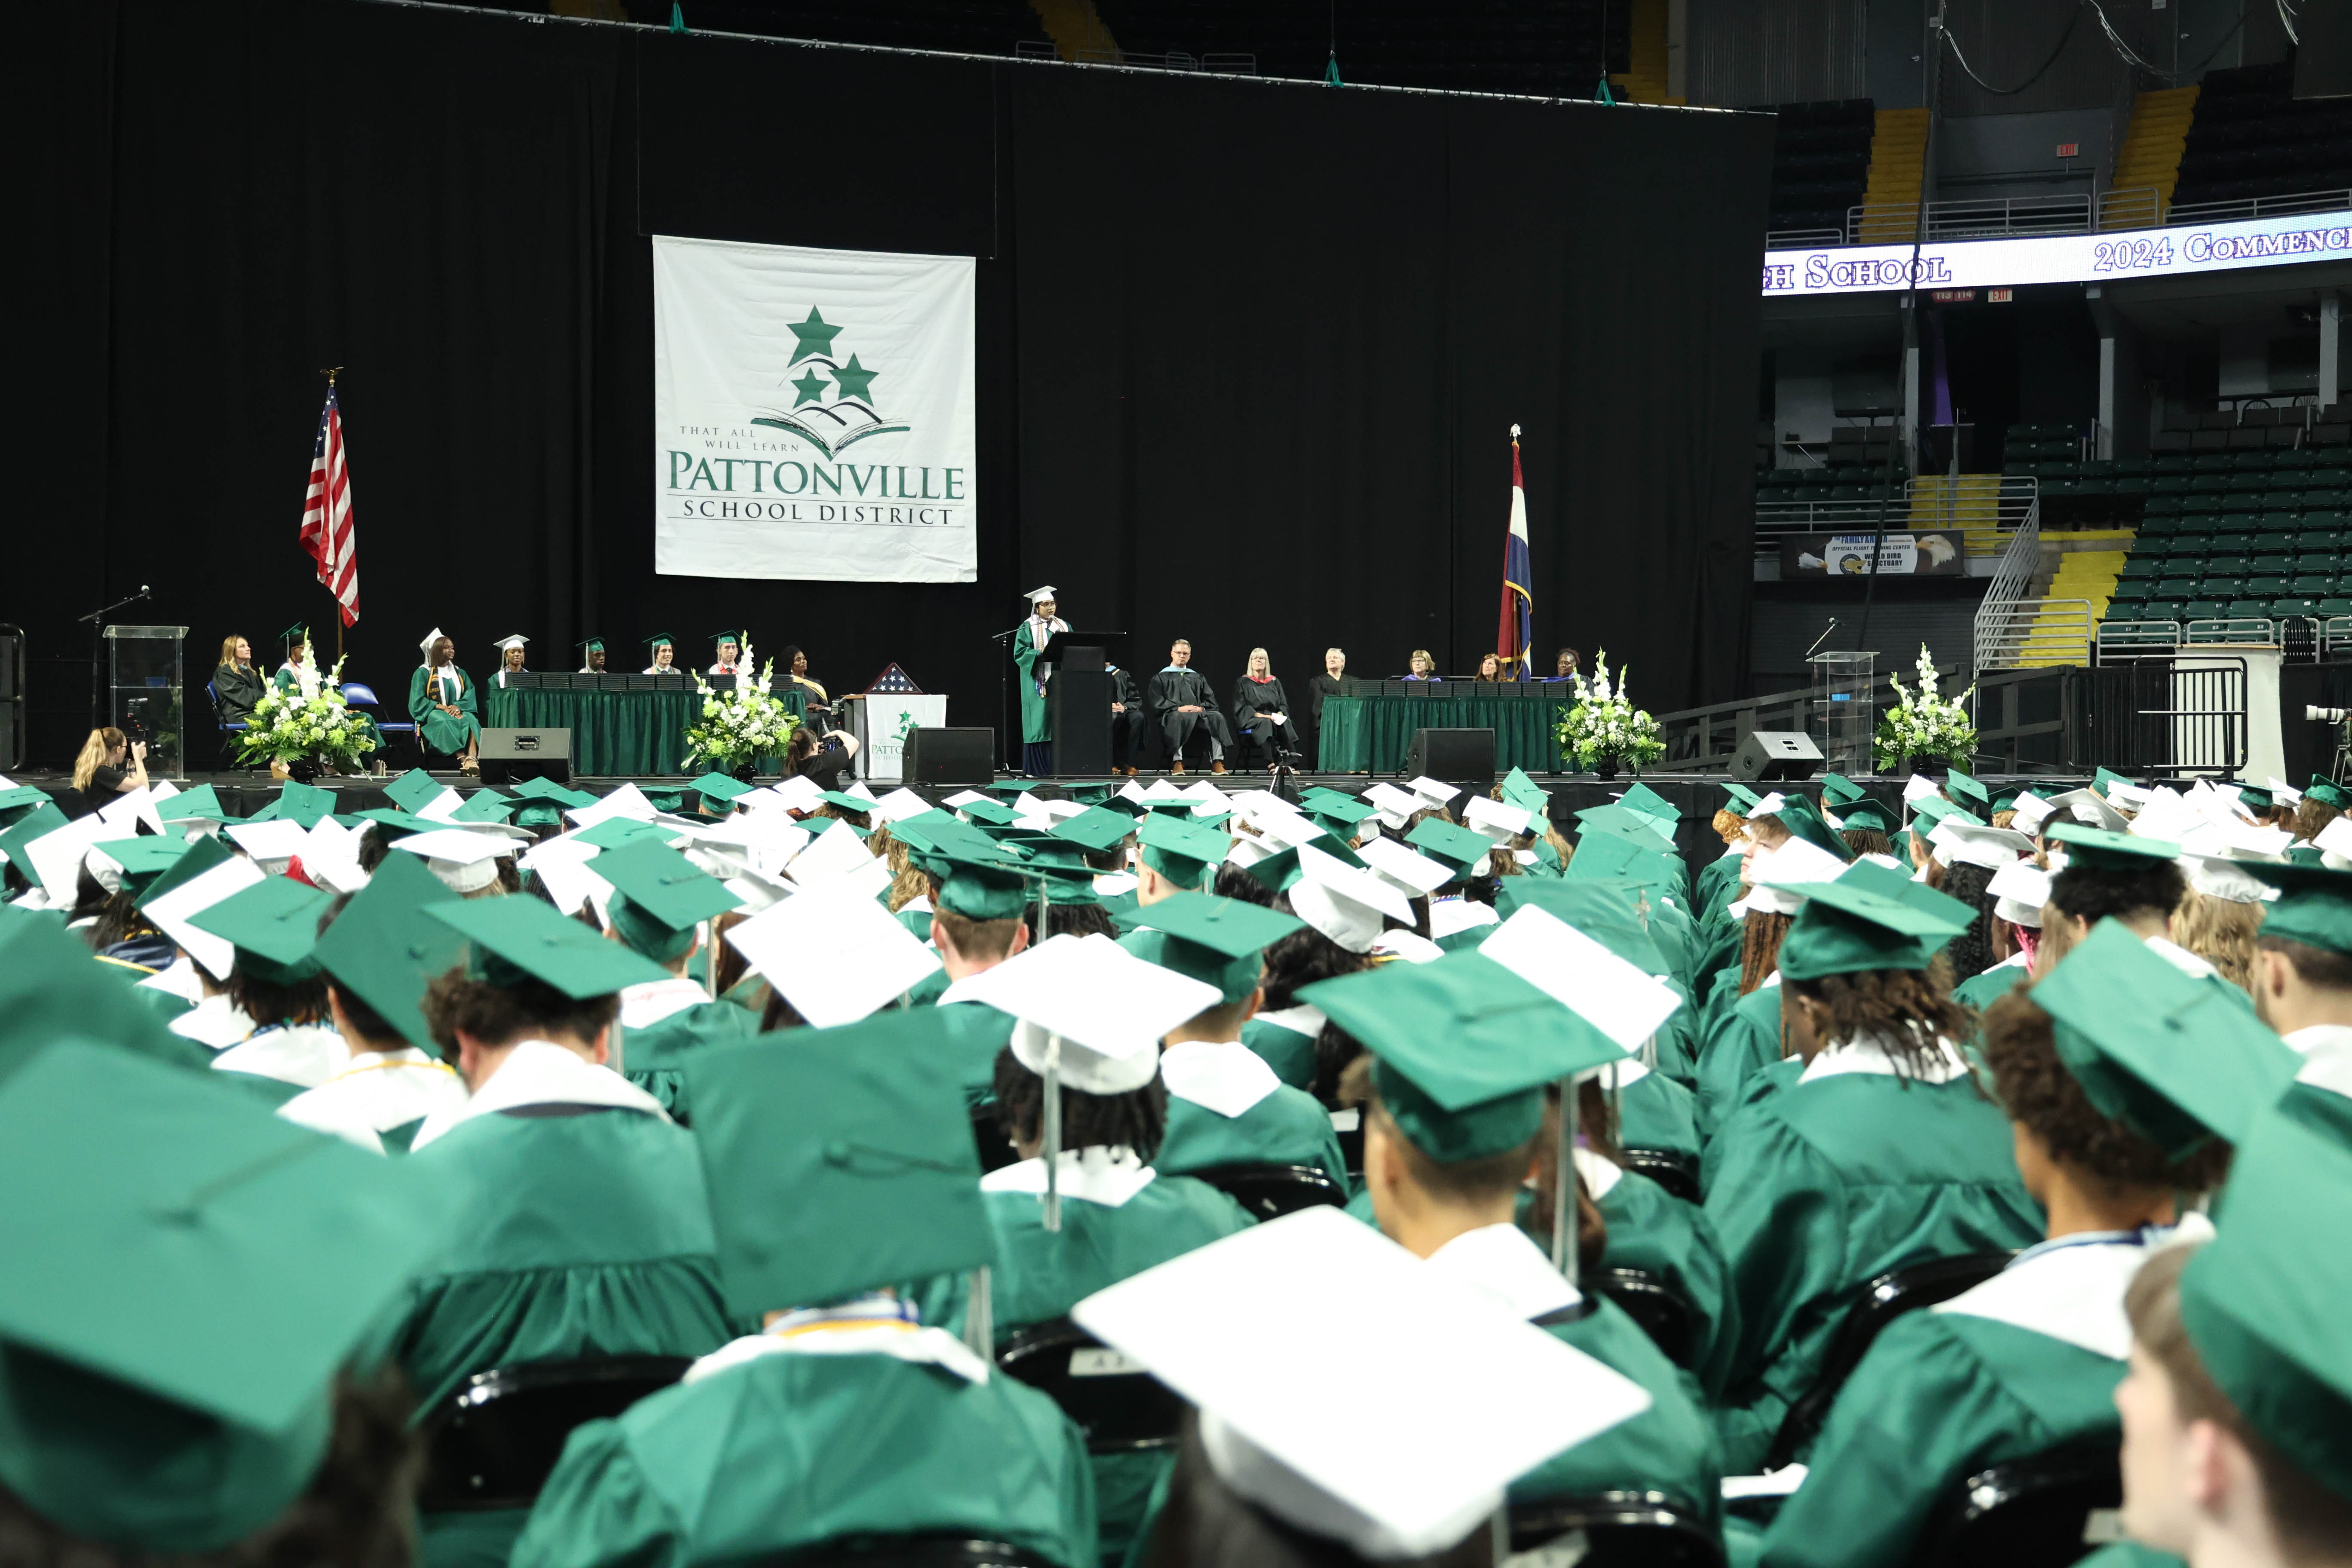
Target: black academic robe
[(1172, 689), (1127, 727), (239, 687), (1249, 698)]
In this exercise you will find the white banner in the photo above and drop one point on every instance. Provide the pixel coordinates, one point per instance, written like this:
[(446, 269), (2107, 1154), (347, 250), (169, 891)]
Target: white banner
[(813, 413), (887, 718), (2061, 258)]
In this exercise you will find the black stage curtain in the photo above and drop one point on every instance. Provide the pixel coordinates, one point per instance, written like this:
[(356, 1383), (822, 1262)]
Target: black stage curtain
[(1249, 352)]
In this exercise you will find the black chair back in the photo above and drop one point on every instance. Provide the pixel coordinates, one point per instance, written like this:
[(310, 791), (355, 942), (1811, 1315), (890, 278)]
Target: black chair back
[(1121, 1407), (1269, 1191), (1351, 1142), (2042, 1512), (1618, 1530), (906, 1551), (1674, 1172), (1884, 1300), (493, 1443), (1670, 1320), (989, 1139)]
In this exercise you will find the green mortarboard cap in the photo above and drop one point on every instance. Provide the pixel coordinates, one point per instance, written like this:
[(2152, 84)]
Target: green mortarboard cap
[(1743, 797), (991, 811), (547, 789), (486, 805), (1464, 1047), (2306, 855), (2105, 777), (842, 801), (1218, 941), (2097, 849), (1277, 873), (1184, 852), (592, 644), (1837, 790), (412, 789), (2327, 792), (2263, 1305), (2005, 800), (1803, 822), (385, 950), (1012, 786), (16, 803), (537, 813), (180, 1300), (49, 989), (935, 831), (1607, 911), (663, 799), (719, 787), (514, 939), (843, 1163), (1852, 925), (1634, 827), (202, 857), (1965, 788), (981, 886), (1644, 800), (1461, 850), (659, 897), (399, 822), (303, 803), (1602, 854), (659, 640), (273, 925), (2255, 798), (2169, 1055), (1524, 793), (2314, 906), (1064, 891), (619, 832), (1346, 810), (38, 823), (200, 803), (144, 860), (1868, 816), (297, 632), (735, 638), (1096, 828)]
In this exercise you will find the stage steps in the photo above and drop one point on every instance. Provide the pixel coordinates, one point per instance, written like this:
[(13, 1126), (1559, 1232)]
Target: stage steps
[(2158, 134), (1899, 149), (2056, 635), (1074, 24)]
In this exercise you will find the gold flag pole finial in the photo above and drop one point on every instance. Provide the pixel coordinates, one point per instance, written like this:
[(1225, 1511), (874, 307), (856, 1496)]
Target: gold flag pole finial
[(331, 371)]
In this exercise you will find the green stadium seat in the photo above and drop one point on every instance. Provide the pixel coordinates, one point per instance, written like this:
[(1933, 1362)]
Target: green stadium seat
[(2314, 584), (2268, 586), (2204, 610), (2276, 521), (2280, 609), (2189, 547), (2338, 605), (2234, 522), (2244, 501), (2176, 588), (2273, 562), (2153, 529), (2140, 569), (2168, 502)]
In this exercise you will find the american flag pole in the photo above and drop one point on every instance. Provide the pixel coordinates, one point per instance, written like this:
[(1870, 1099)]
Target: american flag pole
[(329, 535)]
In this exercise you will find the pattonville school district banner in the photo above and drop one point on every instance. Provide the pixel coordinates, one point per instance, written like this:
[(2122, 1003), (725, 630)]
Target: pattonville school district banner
[(813, 413)]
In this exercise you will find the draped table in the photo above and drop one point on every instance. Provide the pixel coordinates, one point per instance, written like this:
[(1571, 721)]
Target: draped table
[(614, 734), (1370, 734)]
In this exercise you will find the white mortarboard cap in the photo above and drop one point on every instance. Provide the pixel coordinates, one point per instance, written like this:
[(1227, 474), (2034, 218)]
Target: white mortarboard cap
[(56, 856), (1343, 903), (2029, 809), (1412, 872), (758, 891), (513, 640), (274, 843), (1791, 863), (2087, 808), (1496, 820), (127, 811), (1432, 792), (1410, 946), (1769, 806), (442, 806), (834, 956), (1449, 917), (1033, 595), (172, 912), (2019, 891), (1246, 852), (2123, 794), (1163, 789), (465, 862), (1468, 1397), (1604, 990), (1919, 787), (962, 798), (560, 864), (2169, 815), (833, 853), (1131, 790), (2285, 792), (1990, 847), (1107, 1007), (900, 801), (794, 792), (331, 859), (626, 801), (1393, 804), (425, 644), (2219, 876), (858, 790)]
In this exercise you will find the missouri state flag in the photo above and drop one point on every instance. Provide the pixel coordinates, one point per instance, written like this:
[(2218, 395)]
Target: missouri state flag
[(1517, 625)]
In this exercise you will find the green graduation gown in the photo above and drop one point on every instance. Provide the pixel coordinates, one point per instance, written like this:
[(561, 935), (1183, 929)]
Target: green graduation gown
[(1039, 1276), (1285, 1041), (1652, 1230), (980, 1031), (1846, 1172), (439, 731), (1037, 718), (1982, 991), (2020, 1364), (574, 1235), (782, 1450), (1744, 1043), (655, 1056), (1714, 887), (1656, 1113), (1209, 1124)]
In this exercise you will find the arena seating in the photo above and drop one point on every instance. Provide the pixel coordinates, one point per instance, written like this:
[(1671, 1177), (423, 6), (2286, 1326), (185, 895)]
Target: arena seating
[(1555, 49), (1820, 162), (2251, 138)]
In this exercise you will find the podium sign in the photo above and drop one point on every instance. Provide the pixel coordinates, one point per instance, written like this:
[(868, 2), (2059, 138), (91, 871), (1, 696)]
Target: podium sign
[(881, 721)]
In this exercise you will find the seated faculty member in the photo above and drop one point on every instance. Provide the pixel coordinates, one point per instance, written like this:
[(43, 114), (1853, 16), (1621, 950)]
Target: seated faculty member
[(1182, 705), (236, 685), (1261, 709)]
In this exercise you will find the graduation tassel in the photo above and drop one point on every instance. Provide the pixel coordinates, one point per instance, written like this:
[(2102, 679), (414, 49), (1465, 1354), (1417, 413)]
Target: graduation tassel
[(979, 1318), (710, 958), (1052, 1131), (1617, 1084), (1563, 1202)]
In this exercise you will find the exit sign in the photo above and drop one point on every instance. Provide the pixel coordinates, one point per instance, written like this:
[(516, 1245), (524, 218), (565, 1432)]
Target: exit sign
[(2070, 149)]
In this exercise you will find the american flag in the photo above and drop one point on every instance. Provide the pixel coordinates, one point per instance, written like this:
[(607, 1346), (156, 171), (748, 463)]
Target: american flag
[(327, 531), (894, 682)]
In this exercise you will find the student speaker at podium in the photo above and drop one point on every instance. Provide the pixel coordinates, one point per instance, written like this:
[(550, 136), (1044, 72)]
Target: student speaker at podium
[(1036, 655)]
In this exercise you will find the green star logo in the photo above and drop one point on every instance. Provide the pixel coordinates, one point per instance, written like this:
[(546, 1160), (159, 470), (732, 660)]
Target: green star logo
[(812, 388), (815, 337), (854, 380)]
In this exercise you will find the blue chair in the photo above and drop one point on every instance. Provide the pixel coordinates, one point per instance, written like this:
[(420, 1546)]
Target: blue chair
[(226, 725), (358, 694)]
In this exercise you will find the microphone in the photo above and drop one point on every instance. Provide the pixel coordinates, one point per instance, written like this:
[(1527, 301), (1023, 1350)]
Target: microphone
[(1824, 637)]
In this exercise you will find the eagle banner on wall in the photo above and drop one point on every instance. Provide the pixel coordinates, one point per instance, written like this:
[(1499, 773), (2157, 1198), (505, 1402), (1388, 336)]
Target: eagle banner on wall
[(813, 413)]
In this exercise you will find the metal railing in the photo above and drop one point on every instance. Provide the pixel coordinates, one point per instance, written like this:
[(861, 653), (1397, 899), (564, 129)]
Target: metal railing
[(1931, 502), (2260, 207), (2012, 634), (2251, 630), (2005, 217), (1702, 737), (2335, 636), (2141, 206), (2160, 714), (1174, 61), (2136, 639), (2027, 720)]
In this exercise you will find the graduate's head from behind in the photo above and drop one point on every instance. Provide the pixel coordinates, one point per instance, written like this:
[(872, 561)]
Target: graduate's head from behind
[(1863, 961), (2107, 876), (2303, 950), (530, 974), (1134, 1118)]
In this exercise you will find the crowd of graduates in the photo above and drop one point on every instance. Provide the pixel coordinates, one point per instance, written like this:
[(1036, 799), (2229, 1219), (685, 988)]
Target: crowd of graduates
[(326, 1127)]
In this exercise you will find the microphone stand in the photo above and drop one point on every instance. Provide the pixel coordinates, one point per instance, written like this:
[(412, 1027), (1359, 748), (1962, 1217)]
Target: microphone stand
[(1005, 712), (96, 619)]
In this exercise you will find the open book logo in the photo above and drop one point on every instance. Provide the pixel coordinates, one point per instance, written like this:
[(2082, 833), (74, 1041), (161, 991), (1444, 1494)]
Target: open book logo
[(833, 407)]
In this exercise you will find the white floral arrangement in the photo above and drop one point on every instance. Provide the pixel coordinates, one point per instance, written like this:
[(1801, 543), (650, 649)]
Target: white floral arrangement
[(306, 722), (1604, 723), (1924, 726), (739, 726)]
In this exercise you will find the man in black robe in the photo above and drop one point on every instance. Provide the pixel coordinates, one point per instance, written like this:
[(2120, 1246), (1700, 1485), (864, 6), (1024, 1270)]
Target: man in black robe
[(1182, 702), (1327, 684)]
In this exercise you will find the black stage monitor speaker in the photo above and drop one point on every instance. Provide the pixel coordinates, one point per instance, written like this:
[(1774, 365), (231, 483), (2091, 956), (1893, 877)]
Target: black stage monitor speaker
[(1452, 755), (1775, 755), (509, 756), (951, 757)]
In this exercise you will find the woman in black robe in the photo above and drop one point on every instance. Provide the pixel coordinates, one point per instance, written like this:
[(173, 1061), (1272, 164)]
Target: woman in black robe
[(1261, 709), (236, 685)]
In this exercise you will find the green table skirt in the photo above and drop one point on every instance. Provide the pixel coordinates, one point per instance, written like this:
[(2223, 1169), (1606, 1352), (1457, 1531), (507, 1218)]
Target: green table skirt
[(623, 734), (1370, 734)]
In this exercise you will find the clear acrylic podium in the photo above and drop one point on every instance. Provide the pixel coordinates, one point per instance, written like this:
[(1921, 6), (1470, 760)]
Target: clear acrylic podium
[(144, 693), (1845, 709)]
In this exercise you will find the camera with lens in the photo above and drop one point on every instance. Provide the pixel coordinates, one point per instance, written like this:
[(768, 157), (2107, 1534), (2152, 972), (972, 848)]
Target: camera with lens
[(2327, 715)]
